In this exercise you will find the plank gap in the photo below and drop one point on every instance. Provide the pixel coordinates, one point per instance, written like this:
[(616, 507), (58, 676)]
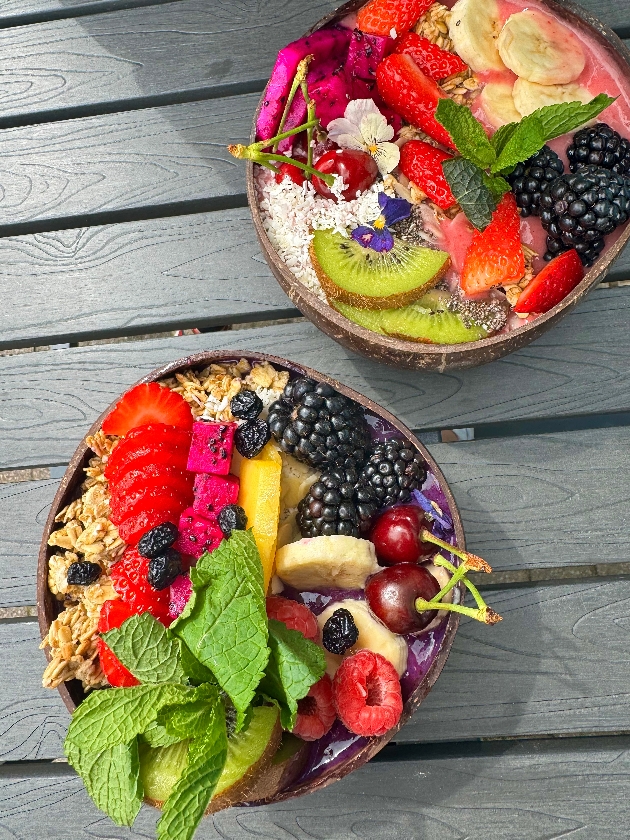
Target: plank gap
[(94, 8)]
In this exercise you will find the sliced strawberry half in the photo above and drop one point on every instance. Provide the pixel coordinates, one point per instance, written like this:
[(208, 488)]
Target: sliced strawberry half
[(132, 528), (112, 615), (379, 17), (422, 164), (175, 494), (148, 403), (127, 452), (552, 284), (132, 479), (129, 579), (437, 63)]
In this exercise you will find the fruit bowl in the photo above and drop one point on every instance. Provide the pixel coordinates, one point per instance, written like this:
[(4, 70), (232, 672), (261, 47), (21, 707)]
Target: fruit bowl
[(333, 756), (401, 352)]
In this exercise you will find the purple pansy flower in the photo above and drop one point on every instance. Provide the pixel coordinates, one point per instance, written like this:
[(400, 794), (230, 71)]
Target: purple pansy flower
[(377, 236)]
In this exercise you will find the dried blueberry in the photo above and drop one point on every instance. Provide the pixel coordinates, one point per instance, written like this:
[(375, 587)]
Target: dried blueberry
[(164, 568), (340, 632), (251, 436), (246, 405), (157, 540), (83, 573), (232, 518)]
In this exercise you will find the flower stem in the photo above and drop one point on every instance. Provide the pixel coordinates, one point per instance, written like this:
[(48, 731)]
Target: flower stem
[(298, 81), (476, 564)]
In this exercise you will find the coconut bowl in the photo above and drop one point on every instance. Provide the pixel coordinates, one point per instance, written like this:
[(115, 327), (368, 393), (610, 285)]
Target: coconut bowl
[(308, 771), (441, 357)]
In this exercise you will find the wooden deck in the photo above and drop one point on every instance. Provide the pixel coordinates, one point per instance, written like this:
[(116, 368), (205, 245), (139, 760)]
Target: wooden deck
[(121, 214)]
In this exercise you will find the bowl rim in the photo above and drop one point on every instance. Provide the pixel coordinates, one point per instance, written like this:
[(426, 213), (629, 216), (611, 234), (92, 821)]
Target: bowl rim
[(73, 476), (442, 354)]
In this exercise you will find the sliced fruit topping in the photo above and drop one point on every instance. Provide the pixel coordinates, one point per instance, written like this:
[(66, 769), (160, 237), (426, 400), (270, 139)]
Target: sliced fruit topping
[(497, 101), (369, 279), (396, 536), (134, 479), (173, 491), (316, 712), (552, 284), (157, 540), (130, 579), (437, 63), (357, 169), (213, 493), (422, 164), (474, 27), (379, 17), (337, 561), (160, 769), (134, 527), (113, 614), (231, 518), (197, 534), (365, 53), (495, 256), (148, 403), (147, 454), (530, 96), (412, 94), (211, 447), (295, 616), (180, 592), (367, 695), (340, 632), (392, 596)]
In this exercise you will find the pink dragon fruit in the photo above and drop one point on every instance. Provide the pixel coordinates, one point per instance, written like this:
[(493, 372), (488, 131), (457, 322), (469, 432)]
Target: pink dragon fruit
[(181, 590), (365, 53), (213, 492), (211, 448), (197, 534), (324, 44)]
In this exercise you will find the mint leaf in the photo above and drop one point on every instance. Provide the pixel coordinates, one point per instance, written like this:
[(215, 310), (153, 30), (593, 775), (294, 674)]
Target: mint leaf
[(157, 736), (502, 135), (225, 623), (112, 779), (295, 664), (192, 718), (469, 185), (527, 139), (191, 794), (497, 185), (147, 649), (567, 116), (196, 673), (107, 718), (467, 133)]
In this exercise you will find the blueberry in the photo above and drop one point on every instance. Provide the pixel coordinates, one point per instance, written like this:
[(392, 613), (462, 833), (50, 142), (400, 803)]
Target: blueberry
[(82, 573), (340, 632), (164, 568), (232, 518), (157, 540), (246, 405)]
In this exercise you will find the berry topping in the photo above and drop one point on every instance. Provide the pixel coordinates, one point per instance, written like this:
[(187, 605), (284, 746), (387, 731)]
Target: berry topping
[(437, 63), (601, 146), (164, 568), (197, 534), (339, 632), (295, 616), (211, 447), (82, 573), (316, 712), (366, 694), (214, 492), (232, 518), (552, 284), (358, 170), (396, 536), (157, 540), (112, 615), (130, 579), (246, 405), (337, 504), (148, 403), (251, 437), (529, 179), (379, 17), (392, 596), (422, 164), (393, 470)]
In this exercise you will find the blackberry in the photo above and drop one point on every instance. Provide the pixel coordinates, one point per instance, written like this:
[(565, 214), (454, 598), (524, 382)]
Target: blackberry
[(599, 145), (393, 470), (251, 436), (529, 178), (316, 424), (578, 210), (336, 504), (246, 405), (164, 569), (232, 518), (339, 632), (157, 540), (83, 573)]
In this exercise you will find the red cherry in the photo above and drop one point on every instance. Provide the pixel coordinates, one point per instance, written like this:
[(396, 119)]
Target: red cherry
[(392, 595), (396, 536), (297, 175), (358, 170)]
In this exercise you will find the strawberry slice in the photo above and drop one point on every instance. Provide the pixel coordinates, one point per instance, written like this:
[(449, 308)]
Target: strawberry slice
[(129, 579), (422, 164), (437, 63), (495, 256), (112, 615), (134, 478), (379, 17), (552, 284), (414, 96), (135, 526), (148, 403), (156, 437), (176, 493)]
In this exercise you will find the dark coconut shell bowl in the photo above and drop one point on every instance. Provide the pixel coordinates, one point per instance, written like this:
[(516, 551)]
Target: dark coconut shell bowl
[(442, 357), (333, 757)]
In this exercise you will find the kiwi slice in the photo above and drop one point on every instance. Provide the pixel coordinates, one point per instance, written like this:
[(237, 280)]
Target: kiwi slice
[(367, 279), (160, 768), (428, 320)]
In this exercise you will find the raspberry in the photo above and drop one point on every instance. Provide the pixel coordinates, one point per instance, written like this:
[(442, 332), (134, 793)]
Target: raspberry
[(366, 693), (316, 712), (113, 614), (295, 616), (129, 578)]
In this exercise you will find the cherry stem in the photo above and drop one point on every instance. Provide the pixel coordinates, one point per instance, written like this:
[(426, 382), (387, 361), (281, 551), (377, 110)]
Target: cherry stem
[(254, 153), (474, 563), (457, 575), (483, 614), (310, 116), (299, 81)]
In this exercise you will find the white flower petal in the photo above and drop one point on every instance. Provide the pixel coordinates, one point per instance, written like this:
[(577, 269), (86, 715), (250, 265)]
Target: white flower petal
[(349, 141), (374, 129), (342, 126), (359, 108), (387, 157)]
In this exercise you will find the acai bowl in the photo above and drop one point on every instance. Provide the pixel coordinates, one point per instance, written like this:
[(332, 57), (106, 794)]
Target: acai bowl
[(478, 207), (250, 578)]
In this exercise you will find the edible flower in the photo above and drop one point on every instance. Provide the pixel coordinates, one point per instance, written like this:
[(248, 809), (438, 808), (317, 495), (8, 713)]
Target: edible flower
[(363, 127), (377, 236)]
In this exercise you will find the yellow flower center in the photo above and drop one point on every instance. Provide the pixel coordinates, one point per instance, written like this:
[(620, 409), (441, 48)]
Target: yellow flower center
[(372, 149), (379, 224)]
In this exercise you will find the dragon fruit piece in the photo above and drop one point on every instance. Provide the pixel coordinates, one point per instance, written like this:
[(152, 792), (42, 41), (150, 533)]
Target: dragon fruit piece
[(331, 97), (323, 44), (214, 492), (365, 53), (197, 534), (181, 590), (211, 447)]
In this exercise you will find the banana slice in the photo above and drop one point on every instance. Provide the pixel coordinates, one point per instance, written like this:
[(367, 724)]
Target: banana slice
[(473, 28), (529, 96), (498, 104), (373, 635), (341, 562), (295, 480), (540, 49)]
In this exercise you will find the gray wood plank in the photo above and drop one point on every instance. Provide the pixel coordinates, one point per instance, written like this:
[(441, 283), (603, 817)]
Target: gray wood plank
[(558, 663)]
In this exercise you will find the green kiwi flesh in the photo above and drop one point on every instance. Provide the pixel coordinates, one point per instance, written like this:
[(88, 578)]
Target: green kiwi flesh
[(428, 320), (369, 279)]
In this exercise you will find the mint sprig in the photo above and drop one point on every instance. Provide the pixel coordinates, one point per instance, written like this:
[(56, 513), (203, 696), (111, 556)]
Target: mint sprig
[(147, 649), (470, 186), (466, 132), (192, 718)]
